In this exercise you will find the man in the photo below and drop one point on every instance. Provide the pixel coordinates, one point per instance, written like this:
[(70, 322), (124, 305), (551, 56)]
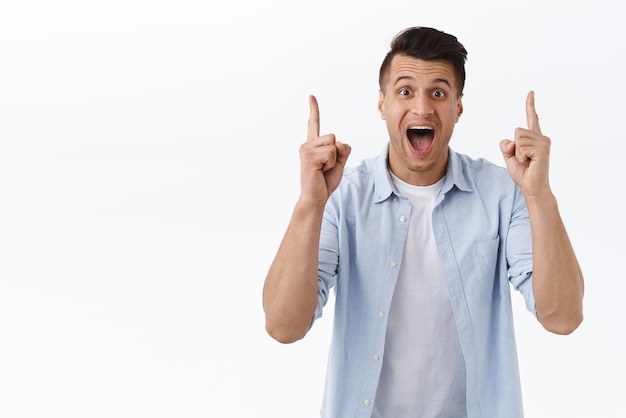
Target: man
[(422, 246)]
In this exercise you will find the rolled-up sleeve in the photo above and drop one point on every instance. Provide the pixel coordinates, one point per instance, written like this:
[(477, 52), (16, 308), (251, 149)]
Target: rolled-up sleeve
[(519, 252), (328, 260)]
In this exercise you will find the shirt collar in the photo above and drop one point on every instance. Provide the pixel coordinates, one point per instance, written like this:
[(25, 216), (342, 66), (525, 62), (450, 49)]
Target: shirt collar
[(455, 176)]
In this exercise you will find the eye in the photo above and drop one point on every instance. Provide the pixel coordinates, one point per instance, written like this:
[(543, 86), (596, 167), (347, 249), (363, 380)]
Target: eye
[(404, 92), (439, 93)]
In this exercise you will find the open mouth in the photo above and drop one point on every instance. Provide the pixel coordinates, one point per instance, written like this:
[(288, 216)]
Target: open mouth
[(421, 137)]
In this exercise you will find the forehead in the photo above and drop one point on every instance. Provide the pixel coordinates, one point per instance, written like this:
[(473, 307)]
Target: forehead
[(418, 70)]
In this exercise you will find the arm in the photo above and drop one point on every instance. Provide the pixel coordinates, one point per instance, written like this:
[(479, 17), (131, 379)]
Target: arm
[(558, 284), (290, 290)]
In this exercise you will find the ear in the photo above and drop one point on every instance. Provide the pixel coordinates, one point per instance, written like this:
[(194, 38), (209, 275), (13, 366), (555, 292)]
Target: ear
[(381, 99), (459, 107)]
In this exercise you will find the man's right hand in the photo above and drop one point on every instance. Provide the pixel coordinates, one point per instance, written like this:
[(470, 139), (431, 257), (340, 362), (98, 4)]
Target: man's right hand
[(322, 160), (290, 293)]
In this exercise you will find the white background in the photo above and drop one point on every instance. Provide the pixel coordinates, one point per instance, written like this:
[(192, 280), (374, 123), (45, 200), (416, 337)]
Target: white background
[(149, 165)]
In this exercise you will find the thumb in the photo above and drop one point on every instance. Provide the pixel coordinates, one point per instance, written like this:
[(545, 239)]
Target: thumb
[(343, 151), (507, 147)]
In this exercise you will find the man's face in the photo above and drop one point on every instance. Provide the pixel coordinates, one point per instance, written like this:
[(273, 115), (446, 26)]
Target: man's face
[(420, 105)]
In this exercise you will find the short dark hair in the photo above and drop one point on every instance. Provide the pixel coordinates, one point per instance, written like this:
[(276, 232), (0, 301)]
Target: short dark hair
[(430, 45)]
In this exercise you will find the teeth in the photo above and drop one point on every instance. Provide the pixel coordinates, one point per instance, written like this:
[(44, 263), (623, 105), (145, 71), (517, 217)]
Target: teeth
[(421, 127)]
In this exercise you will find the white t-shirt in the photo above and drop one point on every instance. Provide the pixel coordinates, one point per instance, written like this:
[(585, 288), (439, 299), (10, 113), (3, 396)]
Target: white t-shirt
[(423, 372)]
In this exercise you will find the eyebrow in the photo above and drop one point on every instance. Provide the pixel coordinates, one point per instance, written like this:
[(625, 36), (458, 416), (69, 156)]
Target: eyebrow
[(411, 78)]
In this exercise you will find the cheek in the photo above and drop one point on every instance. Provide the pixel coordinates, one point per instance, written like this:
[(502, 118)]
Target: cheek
[(451, 116), (393, 115)]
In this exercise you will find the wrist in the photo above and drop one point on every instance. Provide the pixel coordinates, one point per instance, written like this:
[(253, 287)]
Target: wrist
[(538, 201)]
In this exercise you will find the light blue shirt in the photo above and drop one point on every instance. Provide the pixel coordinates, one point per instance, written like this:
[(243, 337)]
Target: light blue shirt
[(482, 232)]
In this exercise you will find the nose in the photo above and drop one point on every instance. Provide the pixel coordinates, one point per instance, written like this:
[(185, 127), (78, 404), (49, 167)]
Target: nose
[(421, 105)]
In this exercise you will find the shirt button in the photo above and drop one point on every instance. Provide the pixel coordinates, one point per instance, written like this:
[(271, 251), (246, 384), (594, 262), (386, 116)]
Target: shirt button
[(366, 402), (376, 357), (393, 263), (395, 199), (402, 218), (381, 314)]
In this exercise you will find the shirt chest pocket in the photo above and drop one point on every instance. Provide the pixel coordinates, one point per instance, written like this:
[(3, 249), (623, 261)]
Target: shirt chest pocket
[(484, 255), (480, 269)]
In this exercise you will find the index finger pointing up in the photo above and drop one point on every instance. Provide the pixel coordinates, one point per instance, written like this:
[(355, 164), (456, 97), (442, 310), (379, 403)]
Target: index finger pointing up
[(531, 114), (314, 119)]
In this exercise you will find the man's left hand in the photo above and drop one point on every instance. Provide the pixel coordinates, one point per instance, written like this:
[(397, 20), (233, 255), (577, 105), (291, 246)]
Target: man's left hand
[(527, 157)]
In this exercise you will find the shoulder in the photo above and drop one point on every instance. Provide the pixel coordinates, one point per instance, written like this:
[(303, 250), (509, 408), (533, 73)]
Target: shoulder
[(366, 169), (363, 184), (476, 164), (478, 172)]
